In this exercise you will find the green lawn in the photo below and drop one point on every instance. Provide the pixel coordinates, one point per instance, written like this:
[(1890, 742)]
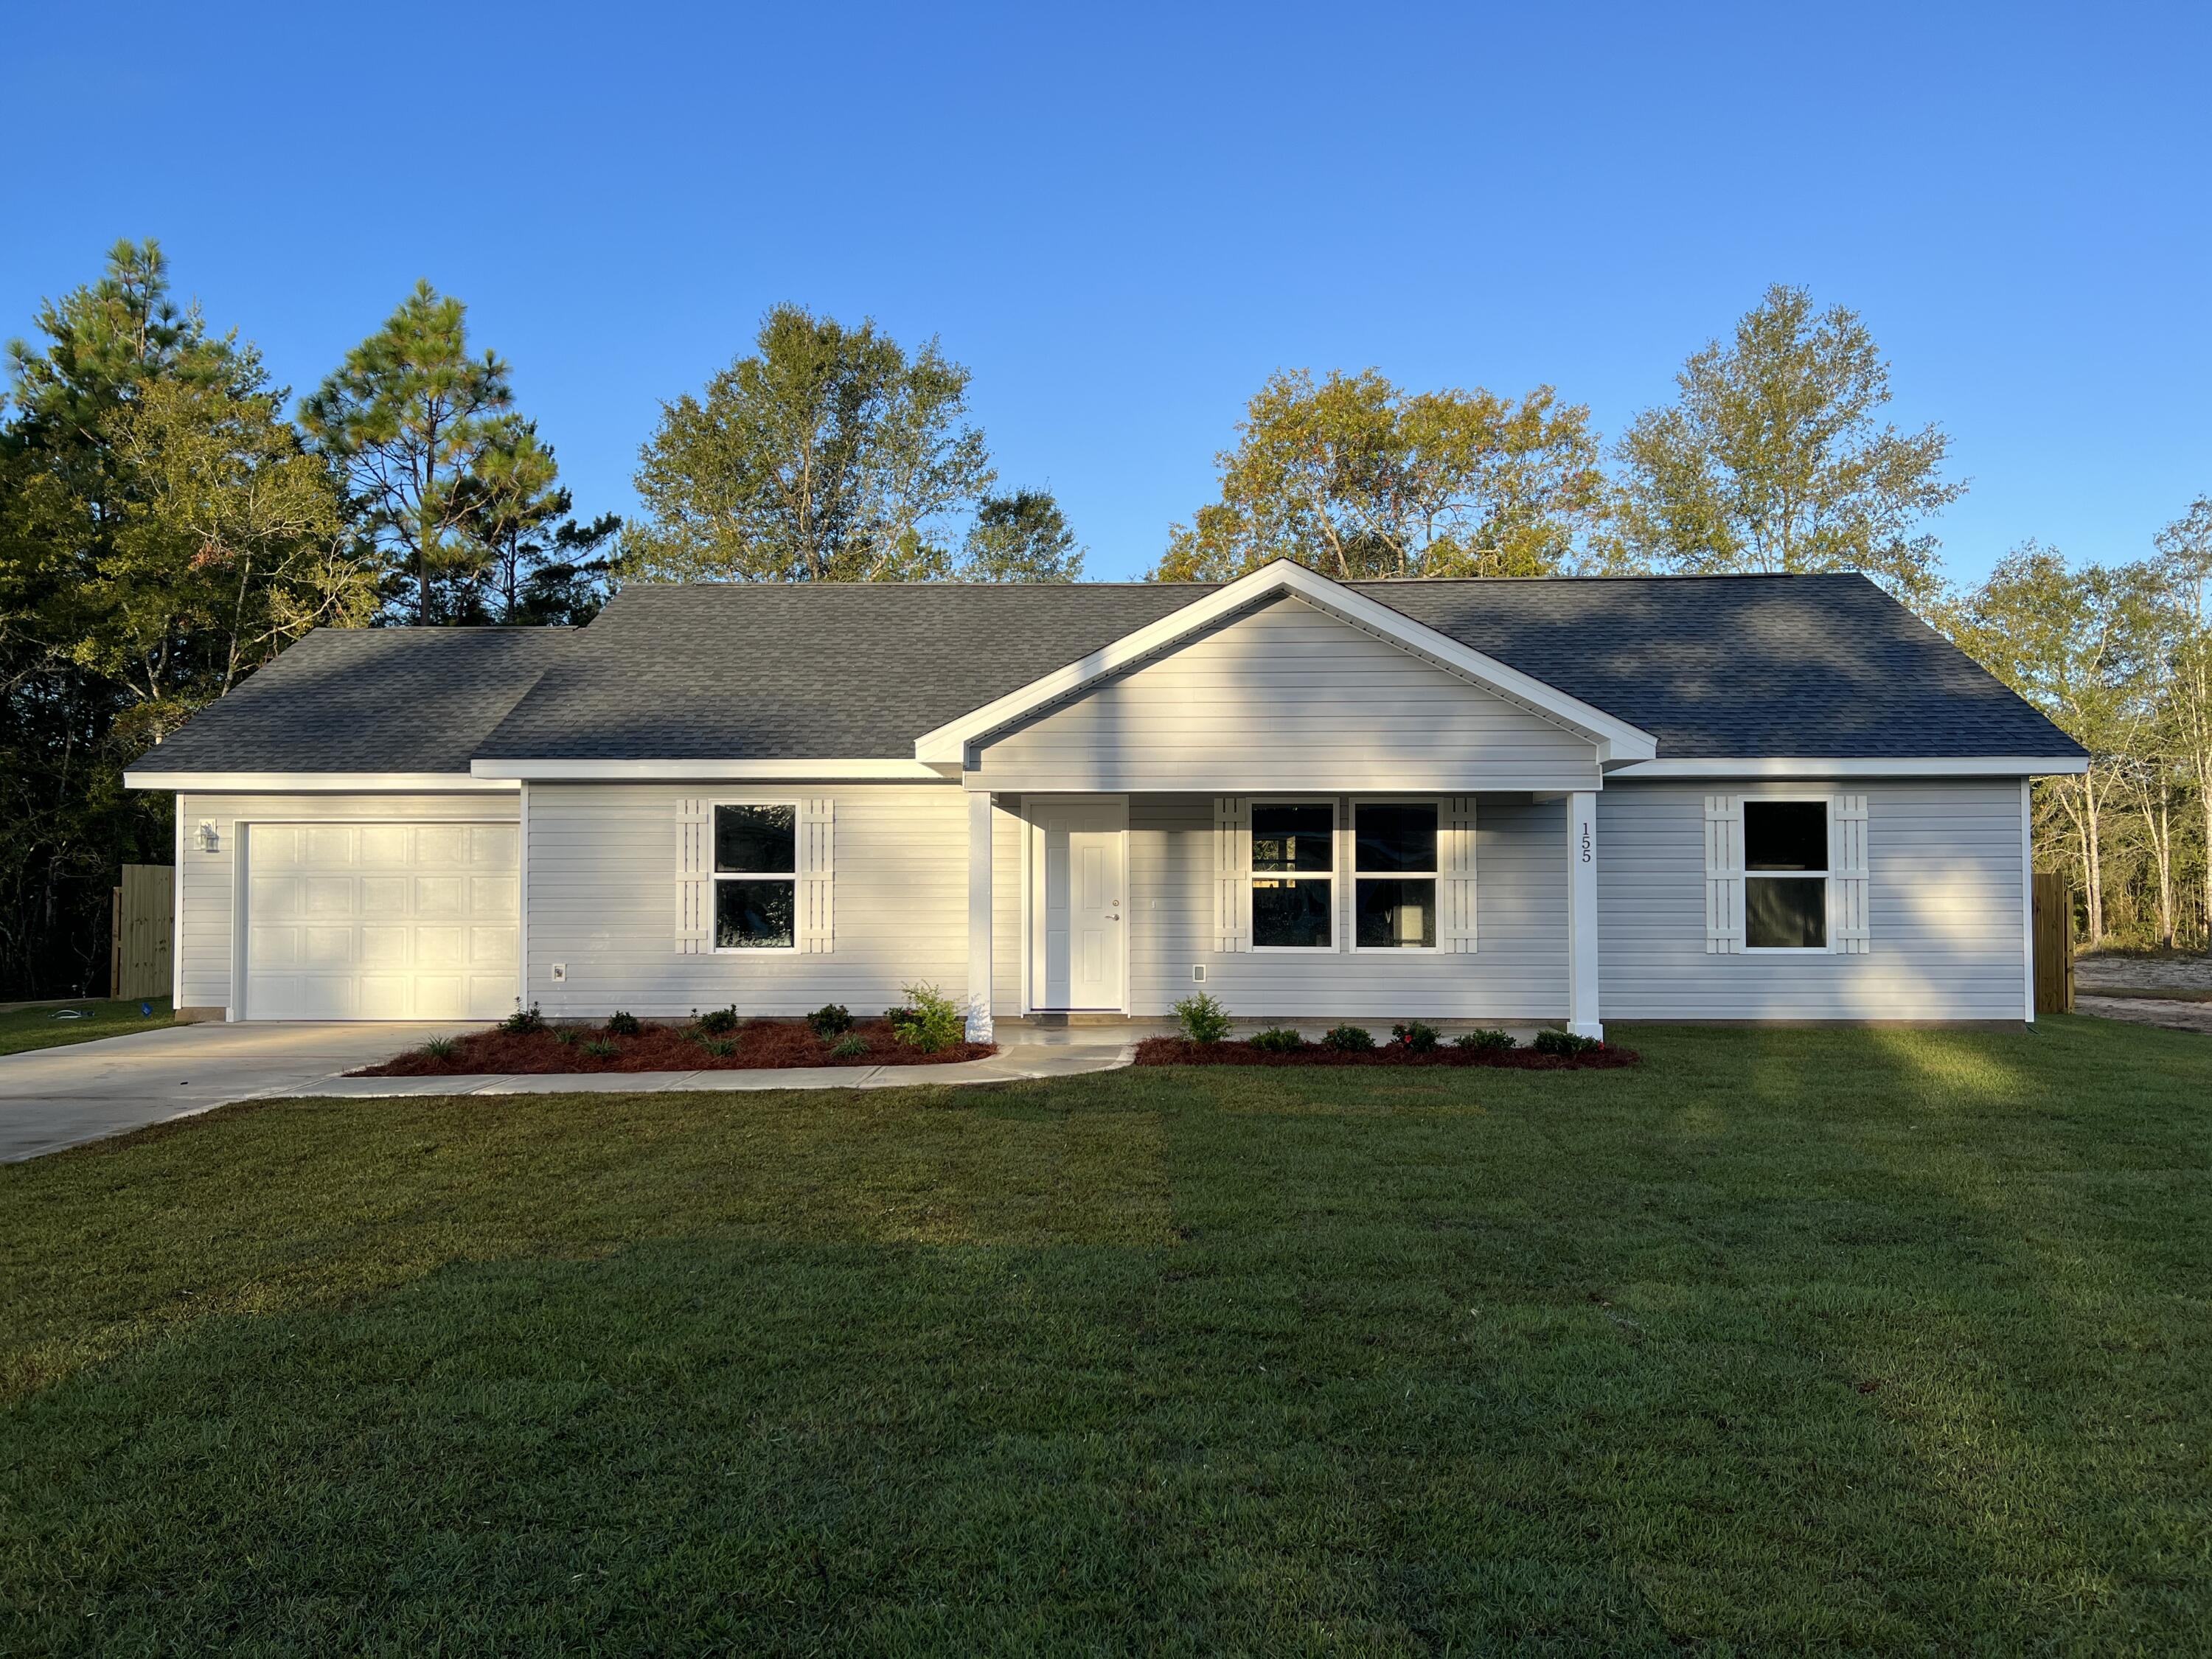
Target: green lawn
[(37, 1028), (1872, 1341)]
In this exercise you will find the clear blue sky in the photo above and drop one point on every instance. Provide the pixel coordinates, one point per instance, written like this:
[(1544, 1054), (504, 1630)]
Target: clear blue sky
[(1123, 218)]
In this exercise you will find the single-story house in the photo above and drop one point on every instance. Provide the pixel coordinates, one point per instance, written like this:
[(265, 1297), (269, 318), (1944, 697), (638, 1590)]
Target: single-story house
[(1734, 797)]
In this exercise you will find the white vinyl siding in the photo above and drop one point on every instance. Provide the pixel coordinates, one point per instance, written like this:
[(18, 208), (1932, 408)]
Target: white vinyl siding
[(207, 923), (603, 897), (1942, 901), (1286, 700)]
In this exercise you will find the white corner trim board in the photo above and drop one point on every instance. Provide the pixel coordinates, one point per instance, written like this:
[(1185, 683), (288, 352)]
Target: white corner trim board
[(707, 771), (1950, 766), (314, 783), (1616, 739)]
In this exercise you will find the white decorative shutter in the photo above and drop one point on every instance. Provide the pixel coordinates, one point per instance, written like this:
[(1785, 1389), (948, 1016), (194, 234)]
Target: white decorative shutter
[(1232, 872), (695, 877), (1456, 875), (818, 865), (1723, 874), (1847, 875)]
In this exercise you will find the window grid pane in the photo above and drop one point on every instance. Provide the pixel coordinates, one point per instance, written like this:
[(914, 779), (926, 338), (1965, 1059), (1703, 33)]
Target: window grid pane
[(1293, 916), (1395, 914), (1785, 835), (756, 840), (1396, 837), (1785, 913), (1294, 838), (756, 913)]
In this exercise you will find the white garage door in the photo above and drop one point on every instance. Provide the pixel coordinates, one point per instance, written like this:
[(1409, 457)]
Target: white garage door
[(380, 921)]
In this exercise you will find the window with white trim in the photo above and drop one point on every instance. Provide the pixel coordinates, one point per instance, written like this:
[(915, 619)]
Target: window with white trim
[(1785, 874), (1393, 875), (1293, 875), (757, 876)]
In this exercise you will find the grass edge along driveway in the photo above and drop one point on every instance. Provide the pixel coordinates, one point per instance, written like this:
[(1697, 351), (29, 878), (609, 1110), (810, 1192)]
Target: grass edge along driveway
[(1885, 1341), (25, 1029)]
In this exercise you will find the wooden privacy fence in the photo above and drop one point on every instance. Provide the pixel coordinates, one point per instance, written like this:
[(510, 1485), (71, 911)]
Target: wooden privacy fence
[(138, 931), (2054, 943)]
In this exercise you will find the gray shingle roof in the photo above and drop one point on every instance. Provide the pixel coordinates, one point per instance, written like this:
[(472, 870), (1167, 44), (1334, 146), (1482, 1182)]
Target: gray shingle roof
[(1724, 666), (1712, 667), (366, 700)]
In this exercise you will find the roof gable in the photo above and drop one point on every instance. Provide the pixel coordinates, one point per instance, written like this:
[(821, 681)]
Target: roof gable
[(1616, 739)]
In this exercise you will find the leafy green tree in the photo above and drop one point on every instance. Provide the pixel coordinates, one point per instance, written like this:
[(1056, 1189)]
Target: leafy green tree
[(829, 454), (2079, 645), (1771, 459), (1358, 478), (2184, 576), (1021, 537), (162, 531), (417, 422)]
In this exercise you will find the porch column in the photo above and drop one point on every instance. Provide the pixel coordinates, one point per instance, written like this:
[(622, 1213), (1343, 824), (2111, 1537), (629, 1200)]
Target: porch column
[(1582, 914), (979, 915)]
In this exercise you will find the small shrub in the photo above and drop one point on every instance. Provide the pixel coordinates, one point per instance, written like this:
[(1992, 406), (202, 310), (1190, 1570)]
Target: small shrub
[(1202, 1018), (830, 1019), (849, 1047), (1349, 1039), (715, 1021), (523, 1022), (721, 1048), (602, 1048), (1484, 1039), (1564, 1042), (440, 1047), (566, 1035), (621, 1024), (1280, 1041), (931, 1021), (1416, 1035)]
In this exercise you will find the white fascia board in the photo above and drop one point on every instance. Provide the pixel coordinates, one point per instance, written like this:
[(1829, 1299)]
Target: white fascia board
[(315, 783), (709, 771), (1964, 766), (1616, 739)]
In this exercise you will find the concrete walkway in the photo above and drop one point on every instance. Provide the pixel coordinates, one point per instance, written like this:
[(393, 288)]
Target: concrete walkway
[(1014, 1062), (51, 1098)]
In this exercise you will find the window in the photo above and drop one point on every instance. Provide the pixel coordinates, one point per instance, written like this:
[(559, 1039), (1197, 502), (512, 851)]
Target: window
[(1394, 876), (756, 878), (1785, 875), (1293, 870)]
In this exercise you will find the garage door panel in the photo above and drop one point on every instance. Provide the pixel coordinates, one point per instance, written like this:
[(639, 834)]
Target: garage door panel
[(327, 947), (324, 844), (384, 895), (492, 847), (328, 895), (386, 996), (437, 895), (381, 921), (491, 896), (384, 947), (491, 947), (383, 846)]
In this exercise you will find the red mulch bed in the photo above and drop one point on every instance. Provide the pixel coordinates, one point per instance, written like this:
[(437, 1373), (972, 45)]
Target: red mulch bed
[(1180, 1051), (760, 1043)]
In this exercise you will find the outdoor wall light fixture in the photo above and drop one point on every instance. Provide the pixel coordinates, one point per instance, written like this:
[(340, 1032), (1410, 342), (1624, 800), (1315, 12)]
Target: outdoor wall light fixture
[(207, 835)]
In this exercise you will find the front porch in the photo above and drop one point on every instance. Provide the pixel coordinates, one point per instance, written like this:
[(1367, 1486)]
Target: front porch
[(1109, 908)]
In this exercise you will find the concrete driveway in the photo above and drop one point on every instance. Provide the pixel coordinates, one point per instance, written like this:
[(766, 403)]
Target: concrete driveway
[(51, 1098)]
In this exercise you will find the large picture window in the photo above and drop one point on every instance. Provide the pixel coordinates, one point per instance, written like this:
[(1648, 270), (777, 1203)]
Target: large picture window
[(1785, 875), (756, 877), (1394, 875), (1293, 877)]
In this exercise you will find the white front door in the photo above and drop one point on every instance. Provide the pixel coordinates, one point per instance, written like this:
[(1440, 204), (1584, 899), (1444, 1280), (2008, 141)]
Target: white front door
[(1085, 877)]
